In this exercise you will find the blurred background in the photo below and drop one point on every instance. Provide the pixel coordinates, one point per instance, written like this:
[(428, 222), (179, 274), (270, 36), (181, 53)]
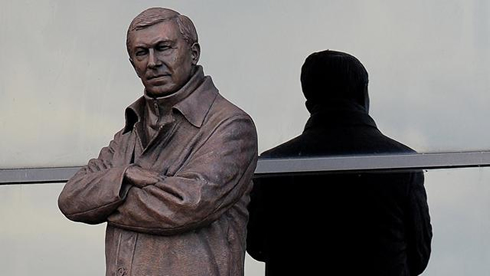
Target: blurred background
[(65, 81)]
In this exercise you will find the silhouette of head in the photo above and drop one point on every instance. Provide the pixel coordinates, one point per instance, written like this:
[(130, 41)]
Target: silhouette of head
[(329, 77)]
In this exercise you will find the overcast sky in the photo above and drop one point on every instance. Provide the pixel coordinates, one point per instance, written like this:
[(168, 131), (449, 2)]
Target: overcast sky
[(65, 80)]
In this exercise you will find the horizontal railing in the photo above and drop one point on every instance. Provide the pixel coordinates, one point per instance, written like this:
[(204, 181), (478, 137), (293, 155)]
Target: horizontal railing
[(275, 166)]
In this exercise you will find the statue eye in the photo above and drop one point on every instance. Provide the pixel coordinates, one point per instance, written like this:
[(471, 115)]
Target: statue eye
[(141, 52), (162, 48)]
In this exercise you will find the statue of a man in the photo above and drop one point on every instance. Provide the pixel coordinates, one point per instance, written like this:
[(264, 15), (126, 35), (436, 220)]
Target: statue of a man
[(173, 185)]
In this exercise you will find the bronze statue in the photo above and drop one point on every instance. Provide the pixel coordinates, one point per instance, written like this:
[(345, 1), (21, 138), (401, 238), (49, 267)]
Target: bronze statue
[(173, 185), (374, 223)]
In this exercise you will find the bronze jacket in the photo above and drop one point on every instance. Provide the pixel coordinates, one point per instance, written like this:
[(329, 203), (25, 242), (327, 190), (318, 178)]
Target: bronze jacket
[(193, 222)]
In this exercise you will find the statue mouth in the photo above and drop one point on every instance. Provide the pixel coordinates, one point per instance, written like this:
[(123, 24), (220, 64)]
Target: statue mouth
[(159, 76)]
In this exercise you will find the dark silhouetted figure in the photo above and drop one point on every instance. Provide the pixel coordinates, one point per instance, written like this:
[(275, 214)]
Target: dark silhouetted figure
[(371, 223)]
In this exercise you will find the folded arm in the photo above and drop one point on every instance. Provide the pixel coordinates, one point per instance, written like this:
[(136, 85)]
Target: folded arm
[(213, 179), (95, 191)]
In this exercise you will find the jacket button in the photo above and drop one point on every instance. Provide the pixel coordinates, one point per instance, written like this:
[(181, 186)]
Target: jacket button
[(121, 272)]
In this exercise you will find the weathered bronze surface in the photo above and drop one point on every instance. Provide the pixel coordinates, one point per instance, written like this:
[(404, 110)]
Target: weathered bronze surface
[(173, 185)]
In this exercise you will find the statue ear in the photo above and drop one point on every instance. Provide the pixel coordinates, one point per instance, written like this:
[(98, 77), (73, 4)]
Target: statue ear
[(195, 52)]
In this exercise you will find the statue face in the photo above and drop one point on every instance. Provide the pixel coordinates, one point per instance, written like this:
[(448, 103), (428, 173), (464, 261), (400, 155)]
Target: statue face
[(163, 60)]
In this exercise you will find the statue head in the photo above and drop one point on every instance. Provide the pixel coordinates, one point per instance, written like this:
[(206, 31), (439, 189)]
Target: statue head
[(163, 49)]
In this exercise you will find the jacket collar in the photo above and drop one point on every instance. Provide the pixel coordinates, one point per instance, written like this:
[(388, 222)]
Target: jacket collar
[(193, 101), (339, 116)]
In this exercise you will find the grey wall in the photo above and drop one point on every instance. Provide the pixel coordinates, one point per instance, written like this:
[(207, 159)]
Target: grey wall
[(65, 81), (65, 78)]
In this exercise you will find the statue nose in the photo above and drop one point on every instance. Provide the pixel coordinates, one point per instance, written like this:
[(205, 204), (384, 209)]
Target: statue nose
[(153, 60)]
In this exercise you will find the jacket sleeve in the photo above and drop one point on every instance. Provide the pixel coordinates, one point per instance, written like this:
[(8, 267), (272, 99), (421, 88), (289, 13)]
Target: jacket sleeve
[(256, 237), (213, 179), (97, 189), (419, 229)]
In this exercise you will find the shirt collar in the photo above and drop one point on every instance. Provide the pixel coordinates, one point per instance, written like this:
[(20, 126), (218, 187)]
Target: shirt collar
[(193, 101)]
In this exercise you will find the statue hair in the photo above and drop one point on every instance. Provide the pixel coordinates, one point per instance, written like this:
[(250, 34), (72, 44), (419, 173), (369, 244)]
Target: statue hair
[(153, 16)]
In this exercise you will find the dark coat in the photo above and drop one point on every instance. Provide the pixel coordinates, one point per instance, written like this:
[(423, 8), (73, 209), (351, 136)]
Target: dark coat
[(340, 224)]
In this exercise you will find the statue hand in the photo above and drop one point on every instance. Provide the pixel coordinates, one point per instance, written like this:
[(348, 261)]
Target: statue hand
[(140, 177)]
